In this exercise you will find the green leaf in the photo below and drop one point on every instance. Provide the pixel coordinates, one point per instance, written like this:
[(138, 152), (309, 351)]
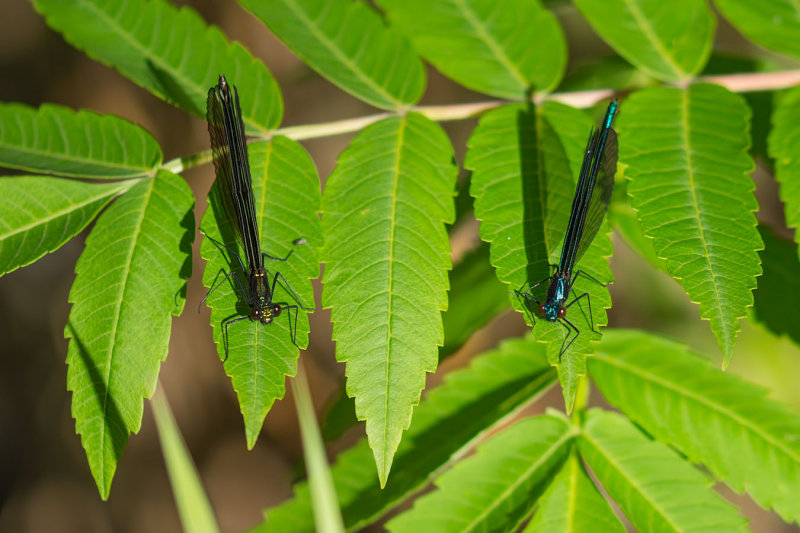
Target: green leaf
[(605, 72), (327, 516), (656, 489), (774, 24), (495, 489), (287, 199), (669, 42), (194, 508), (624, 220), (475, 298), (572, 503), (39, 214), (129, 279), (523, 162), (499, 48), (386, 262), (57, 140), (784, 147), (449, 418), (777, 301), (347, 43), (170, 52), (730, 426), (689, 186)]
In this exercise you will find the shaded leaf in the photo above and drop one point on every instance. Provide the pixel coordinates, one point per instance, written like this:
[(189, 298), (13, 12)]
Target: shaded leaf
[(525, 164), (604, 72), (194, 508), (670, 42), (475, 298), (129, 280), (57, 140), (170, 52), (623, 219), (287, 200), (776, 302), (730, 426), (572, 503), (347, 43), (784, 147), (495, 489), (504, 49), (656, 489), (387, 255), (774, 24), (39, 214), (689, 186), (449, 418)]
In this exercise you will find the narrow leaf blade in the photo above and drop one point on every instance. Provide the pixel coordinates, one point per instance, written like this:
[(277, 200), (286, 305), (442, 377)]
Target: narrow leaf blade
[(573, 504), (689, 186), (347, 43), (502, 49), (39, 214), (57, 140), (170, 52), (525, 164), (496, 488), (129, 280), (669, 44), (449, 418), (387, 257), (194, 508), (652, 484), (744, 438), (287, 199)]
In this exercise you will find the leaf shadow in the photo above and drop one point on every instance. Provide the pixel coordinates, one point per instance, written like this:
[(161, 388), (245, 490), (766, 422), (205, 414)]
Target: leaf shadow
[(185, 246), (534, 196), (113, 420), (173, 91)]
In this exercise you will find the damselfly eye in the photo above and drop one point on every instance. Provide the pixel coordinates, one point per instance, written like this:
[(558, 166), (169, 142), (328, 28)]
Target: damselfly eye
[(541, 309), (276, 310), (562, 312)]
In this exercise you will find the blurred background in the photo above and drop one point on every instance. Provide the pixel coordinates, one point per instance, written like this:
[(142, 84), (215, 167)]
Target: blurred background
[(45, 483)]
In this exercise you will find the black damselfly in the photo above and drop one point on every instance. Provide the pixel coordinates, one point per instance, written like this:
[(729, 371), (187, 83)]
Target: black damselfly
[(229, 149), (592, 194)]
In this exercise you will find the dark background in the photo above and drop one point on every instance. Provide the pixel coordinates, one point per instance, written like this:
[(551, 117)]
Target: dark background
[(45, 482)]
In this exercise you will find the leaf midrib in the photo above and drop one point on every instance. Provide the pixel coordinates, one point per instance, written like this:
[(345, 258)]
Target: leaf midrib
[(653, 38), (688, 393), (331, 46), (124, 285), (503, 496)]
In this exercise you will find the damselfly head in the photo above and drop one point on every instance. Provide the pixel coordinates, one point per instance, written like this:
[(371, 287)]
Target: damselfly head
[(551, 311), (264, 315)]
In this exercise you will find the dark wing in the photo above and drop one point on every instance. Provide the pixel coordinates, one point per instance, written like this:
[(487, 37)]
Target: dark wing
[(603, 187), (229, 150)]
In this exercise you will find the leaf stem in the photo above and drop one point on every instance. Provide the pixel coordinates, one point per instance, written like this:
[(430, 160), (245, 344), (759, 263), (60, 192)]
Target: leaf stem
[(739, 83)]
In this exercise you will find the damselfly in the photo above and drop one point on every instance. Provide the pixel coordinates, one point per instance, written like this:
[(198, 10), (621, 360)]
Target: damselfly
[(229, 149), (592, 194)]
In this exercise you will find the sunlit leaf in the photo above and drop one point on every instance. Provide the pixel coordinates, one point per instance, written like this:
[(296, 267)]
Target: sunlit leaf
[(670, 42), (784, 147), (685, 154), (730, 426), (129, 280), (348, 43), (774, 24), (449, 418), (287, 199), (655, 488), (504, 49), (39, 214), (57, 140), (170, 52), (386, 261)]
